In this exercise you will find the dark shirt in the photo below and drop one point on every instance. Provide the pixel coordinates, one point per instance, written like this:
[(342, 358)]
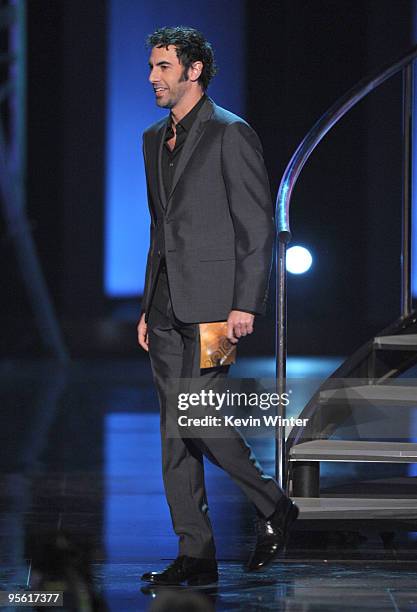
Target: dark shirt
[(170, 158)]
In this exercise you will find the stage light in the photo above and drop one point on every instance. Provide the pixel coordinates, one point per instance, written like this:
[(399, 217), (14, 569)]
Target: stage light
[(298, 260)]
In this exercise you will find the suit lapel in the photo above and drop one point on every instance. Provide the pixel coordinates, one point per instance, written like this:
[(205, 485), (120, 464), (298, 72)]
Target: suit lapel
[(159, 144)]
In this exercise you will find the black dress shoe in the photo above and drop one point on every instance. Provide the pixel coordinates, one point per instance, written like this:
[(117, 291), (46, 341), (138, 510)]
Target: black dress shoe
[(272, 534), (196, 572)]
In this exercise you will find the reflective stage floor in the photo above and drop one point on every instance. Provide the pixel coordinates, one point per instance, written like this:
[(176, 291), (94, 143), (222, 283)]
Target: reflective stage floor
[(82, 505)]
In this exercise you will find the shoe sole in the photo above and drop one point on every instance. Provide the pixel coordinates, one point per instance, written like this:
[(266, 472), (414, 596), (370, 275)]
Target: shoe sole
[(196, 581), (203, 580)]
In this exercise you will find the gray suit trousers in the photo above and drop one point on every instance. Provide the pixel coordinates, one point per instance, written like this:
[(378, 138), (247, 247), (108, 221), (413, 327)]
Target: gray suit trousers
[(174, 351)]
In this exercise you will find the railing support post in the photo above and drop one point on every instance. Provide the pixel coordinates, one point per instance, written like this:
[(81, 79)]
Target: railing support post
[(281, 355), (406, 242)]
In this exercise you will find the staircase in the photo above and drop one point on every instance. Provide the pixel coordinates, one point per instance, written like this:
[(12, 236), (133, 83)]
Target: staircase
[(361, 414), (369, 384)]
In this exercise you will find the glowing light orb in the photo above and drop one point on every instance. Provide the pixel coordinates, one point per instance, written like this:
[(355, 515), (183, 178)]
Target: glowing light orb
[(298, 260)]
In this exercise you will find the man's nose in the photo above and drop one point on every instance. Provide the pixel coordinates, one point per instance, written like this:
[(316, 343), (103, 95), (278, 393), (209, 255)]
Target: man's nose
[(153, 76)]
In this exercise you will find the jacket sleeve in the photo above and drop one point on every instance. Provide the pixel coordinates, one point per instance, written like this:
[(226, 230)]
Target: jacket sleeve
[(251, 210), (146, 290)]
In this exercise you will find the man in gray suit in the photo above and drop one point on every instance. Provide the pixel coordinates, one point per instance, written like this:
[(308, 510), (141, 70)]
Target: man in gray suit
[(211, 240)]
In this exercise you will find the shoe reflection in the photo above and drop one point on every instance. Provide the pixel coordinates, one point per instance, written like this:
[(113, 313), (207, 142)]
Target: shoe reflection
[(181, 599)]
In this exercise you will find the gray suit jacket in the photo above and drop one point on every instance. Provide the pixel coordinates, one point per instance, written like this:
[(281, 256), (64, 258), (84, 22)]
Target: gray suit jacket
[(216, 226)]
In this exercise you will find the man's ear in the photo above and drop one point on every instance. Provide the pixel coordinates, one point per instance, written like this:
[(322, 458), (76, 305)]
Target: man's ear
[(195, 71)]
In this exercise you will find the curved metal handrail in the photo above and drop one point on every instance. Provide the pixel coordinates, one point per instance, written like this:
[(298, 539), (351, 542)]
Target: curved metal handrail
[(287, 184), (320, 129)]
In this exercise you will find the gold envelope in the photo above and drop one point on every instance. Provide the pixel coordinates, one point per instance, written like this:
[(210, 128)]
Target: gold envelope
[(215, 348)]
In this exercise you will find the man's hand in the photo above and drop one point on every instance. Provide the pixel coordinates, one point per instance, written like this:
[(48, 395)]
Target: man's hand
[(239, 324), (143, 333)]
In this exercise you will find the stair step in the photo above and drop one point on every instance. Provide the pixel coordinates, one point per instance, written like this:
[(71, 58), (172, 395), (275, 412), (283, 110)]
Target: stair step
[(400, 394), (405, 342), (324, 508), (355, 451)]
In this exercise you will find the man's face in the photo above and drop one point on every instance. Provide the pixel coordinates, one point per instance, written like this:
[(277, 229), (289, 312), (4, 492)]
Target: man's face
[(167, 77)]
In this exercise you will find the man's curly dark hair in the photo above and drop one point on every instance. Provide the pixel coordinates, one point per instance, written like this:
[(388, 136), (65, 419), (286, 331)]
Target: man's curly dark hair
[(191, 46)]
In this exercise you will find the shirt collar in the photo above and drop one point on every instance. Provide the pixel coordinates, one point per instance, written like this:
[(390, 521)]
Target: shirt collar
[(187, 121)]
